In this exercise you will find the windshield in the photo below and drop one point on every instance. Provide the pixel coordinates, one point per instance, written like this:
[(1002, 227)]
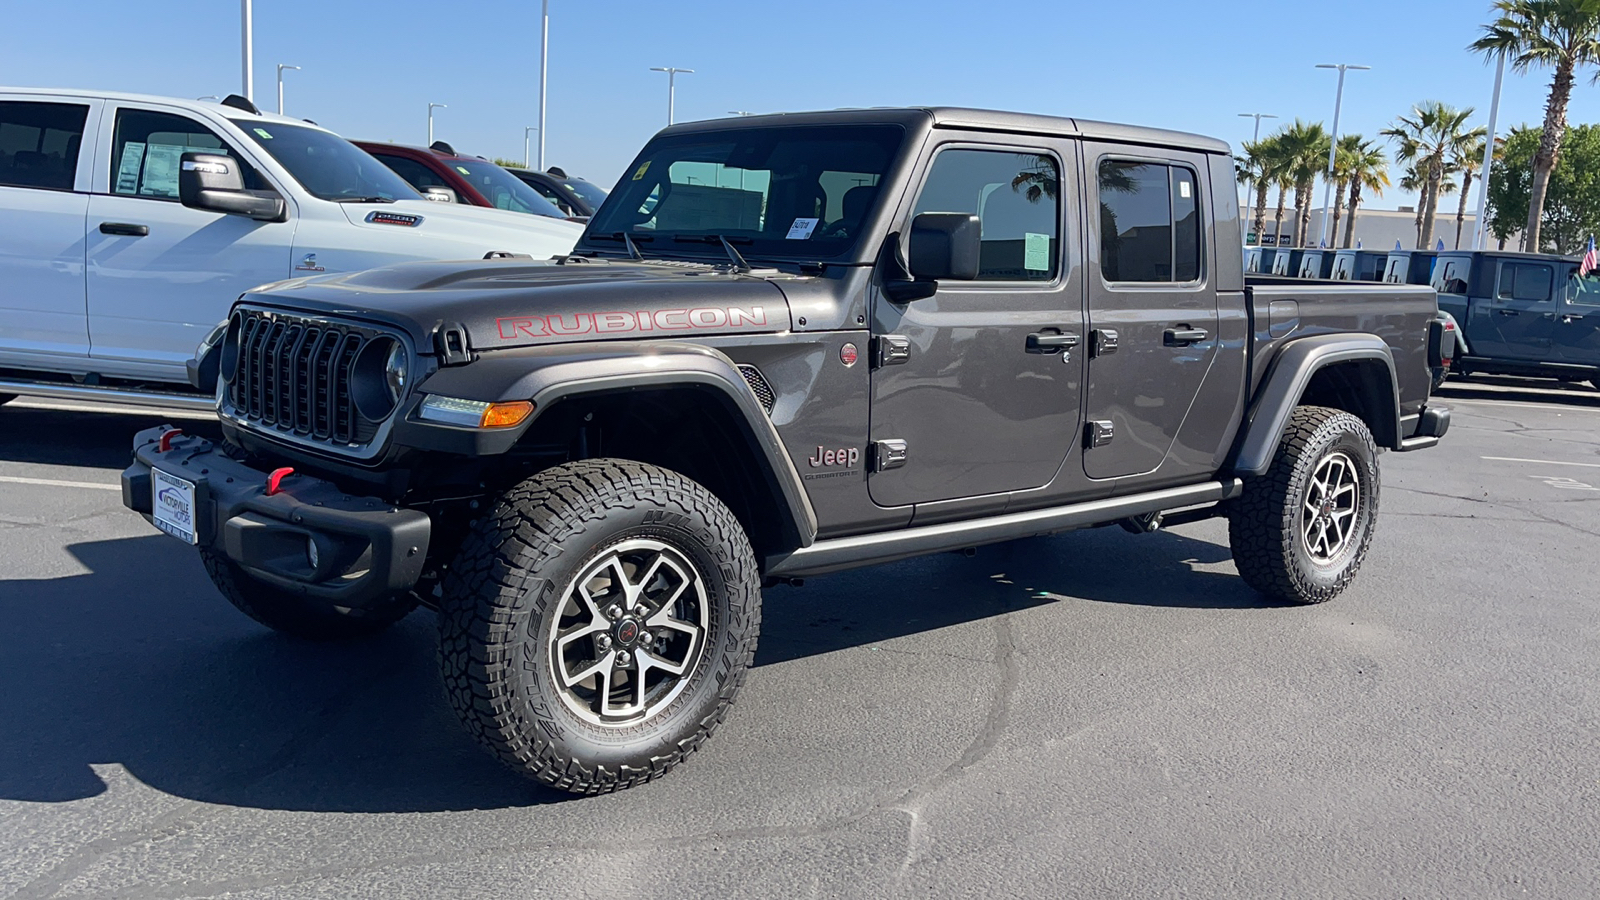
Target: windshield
[(591, 193), (794, 191), (327, 165), (502, 189)]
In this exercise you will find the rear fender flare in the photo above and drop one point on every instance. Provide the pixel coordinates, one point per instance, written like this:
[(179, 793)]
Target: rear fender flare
[(1286, 382)]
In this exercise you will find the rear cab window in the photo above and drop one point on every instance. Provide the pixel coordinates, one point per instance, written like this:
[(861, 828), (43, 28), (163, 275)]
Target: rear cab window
[(1450, 276), (40, 143)]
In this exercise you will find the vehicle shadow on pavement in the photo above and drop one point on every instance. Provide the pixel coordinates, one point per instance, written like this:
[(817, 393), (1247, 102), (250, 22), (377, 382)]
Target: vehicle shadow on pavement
[(1101, 565), (98, 440), (140, 664)]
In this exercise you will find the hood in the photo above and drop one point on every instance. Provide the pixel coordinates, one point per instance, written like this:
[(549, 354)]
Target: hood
[(515, 232), (514, 303)]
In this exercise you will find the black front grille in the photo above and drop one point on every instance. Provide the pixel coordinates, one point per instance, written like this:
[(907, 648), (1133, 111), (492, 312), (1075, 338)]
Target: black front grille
[(294, 375)]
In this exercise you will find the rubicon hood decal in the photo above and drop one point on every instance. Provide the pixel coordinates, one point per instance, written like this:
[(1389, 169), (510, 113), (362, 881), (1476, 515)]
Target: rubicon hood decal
[(712, 318)]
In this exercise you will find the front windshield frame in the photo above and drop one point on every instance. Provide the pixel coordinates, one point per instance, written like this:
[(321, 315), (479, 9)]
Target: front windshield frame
[(378, 180), (519, 190), (805, 161)]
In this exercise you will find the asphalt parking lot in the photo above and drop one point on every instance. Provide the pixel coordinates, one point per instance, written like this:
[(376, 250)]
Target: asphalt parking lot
[(1092, 714)]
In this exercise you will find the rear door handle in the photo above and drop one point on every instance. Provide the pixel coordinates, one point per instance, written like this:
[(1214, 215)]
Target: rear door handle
[(1507, 312), (1049, 342), (1183, 336), (1570, 318), (125, 229)]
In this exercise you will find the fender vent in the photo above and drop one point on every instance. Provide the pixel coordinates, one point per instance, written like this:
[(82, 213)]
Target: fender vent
[(758, 384)]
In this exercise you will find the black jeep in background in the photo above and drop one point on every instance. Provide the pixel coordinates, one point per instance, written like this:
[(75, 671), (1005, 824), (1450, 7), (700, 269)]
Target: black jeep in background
[(785, 346)]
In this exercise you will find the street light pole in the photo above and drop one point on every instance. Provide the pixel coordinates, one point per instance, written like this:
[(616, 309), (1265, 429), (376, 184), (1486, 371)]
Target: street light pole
[(672, 86), (281, 67), (525, 144), (430, 120), (247, 54), (1333, 151), (544, 74), (1480, 231)]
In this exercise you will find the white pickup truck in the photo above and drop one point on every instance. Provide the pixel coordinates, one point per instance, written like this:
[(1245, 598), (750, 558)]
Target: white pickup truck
[(109, 279)]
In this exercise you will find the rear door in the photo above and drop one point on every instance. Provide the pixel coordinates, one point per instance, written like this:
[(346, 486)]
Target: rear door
[(1518, 320), (162, 275), (45, 167), (980, 408), (1152, 304)]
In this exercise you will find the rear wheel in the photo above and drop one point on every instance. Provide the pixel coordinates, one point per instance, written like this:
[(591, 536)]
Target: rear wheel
[(597, 624), (298, 615), (1300, 532)]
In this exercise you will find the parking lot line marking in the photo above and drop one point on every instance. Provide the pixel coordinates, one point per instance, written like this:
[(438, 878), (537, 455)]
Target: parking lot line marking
[(1540, 462), (1452, 401), (52, 482)]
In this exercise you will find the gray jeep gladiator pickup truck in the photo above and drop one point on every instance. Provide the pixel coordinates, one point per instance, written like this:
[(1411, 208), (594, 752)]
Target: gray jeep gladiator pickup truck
[(786, 345)]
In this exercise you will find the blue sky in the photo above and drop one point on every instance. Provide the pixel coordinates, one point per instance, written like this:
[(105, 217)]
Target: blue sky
[(370, 68)]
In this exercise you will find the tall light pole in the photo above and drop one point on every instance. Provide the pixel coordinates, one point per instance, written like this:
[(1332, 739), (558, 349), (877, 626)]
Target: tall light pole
[(544, 74), (247, 54), (1333, 151), (672, 85), (1480, 230), (431, 107), (281, 67), (1256, 138), (525, 132)]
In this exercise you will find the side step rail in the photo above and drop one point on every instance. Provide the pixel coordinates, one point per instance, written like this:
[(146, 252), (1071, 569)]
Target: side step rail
[(59, 391), (838, 554)]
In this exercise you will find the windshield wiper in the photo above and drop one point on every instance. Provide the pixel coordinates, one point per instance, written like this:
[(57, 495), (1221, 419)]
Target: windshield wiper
[(626, 239), (727, 243), (374, 199)]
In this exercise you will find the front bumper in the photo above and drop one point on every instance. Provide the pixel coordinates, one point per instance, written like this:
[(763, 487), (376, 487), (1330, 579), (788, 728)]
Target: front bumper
[(366, 549)]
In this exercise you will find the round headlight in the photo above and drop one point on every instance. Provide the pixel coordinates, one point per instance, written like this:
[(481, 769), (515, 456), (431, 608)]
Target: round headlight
[(394, 371)]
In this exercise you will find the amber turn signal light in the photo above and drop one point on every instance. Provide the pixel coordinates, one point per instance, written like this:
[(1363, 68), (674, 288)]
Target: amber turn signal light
[(507, 414)]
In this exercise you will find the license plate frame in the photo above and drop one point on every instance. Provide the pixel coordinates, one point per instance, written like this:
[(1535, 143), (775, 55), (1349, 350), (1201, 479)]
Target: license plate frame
[(172, 504)]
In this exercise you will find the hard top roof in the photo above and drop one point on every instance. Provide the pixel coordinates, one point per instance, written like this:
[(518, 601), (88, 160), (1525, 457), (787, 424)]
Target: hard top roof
[(121, 96), (1509, 254), (976, 119)]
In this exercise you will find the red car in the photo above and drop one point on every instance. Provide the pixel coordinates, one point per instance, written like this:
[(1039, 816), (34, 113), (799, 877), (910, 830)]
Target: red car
[(439, 172)]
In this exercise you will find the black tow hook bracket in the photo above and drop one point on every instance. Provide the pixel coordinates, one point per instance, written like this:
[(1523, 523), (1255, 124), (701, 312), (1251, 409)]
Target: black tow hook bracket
[(1148, 523), (450, 343)]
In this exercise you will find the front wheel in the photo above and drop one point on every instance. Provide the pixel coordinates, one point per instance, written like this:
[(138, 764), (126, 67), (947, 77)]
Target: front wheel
[(1300, 532), (597, 623)]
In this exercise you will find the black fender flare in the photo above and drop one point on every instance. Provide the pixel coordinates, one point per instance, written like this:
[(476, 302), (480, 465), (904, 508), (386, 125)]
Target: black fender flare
[(1285, 383), (552, 373)]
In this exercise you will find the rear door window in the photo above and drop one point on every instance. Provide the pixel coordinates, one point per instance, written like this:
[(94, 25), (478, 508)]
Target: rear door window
[(39, 144), (1525, 281), (147, 147), (1149, 223)]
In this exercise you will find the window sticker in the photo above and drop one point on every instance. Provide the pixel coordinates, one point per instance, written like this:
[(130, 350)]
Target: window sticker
[(161, 170), (464, 170), (1036, 252), (128, 171), (801, 229), (1183, 189), (262, 133), (643, 168)]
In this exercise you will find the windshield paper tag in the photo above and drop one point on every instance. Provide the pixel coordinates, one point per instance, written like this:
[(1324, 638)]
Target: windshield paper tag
[(1036, 252), (801, 229), (643, 168)]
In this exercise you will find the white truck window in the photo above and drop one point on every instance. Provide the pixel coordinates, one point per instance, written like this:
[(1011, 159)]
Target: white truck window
[(147, 146), (39, 144)]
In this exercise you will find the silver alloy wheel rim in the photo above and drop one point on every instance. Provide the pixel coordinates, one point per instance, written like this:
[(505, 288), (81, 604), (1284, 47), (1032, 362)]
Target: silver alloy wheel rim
[(1331, 508), (629, 631)]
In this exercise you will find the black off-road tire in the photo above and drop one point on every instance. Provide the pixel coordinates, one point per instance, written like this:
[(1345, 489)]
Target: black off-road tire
[(517, 572), (1265, 524), (297, 615)]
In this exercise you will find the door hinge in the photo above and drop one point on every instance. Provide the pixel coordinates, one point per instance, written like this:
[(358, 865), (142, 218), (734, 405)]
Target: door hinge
[(1103, 342), (891, 350), (1099, 433), (890, 454)]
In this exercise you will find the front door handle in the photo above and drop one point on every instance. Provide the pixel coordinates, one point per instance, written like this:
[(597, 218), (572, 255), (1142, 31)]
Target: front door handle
[(125, 229), (1050, 342), (1507, 312), (1183, 336)]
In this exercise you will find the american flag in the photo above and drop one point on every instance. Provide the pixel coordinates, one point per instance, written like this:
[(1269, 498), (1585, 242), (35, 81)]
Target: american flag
[(1591, 259)]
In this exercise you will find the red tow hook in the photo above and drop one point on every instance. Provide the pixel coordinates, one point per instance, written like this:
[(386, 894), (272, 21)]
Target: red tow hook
[(276, 479), (166, 439)]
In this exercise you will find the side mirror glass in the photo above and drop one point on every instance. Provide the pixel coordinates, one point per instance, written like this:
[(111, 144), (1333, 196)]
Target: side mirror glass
[(215, 183), (944, 245)]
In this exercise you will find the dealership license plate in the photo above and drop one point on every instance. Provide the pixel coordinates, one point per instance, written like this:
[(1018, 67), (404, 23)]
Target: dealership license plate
[(173, 505)]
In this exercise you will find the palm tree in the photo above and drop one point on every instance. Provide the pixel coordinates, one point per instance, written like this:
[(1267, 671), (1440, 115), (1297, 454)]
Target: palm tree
[(1274, 173), (1432, 137), (1367, 169), (1305, 147), (1342, 159), (1416, 179), (1564, 34)]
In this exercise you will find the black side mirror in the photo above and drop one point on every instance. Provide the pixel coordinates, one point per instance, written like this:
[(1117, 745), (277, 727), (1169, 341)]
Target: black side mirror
[(942, 246), (214, 182)]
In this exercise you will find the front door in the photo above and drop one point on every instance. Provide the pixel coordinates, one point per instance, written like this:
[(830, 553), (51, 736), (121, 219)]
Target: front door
[(1577, 328), (44, 194), (1518, 320), (980, 410), (1152, 305), (162, 275)]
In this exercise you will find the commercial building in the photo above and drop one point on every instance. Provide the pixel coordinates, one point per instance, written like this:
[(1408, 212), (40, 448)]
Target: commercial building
[(1376, 229)]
